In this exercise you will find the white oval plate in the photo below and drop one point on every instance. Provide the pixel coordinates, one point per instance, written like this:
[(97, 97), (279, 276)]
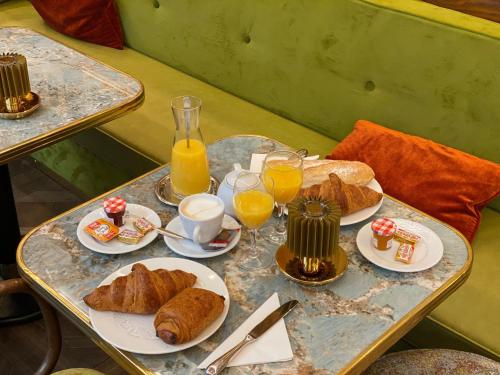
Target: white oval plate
[(428, 251), (136, 333), (365, 213), (189, 248), (114, 246)]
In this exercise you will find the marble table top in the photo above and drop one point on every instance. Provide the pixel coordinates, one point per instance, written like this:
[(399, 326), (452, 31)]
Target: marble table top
[(76, 92), (338, 328)]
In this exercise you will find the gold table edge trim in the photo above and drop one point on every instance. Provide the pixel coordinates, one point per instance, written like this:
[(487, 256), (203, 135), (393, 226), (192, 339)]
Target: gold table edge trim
[(30, 145), (356, 366)]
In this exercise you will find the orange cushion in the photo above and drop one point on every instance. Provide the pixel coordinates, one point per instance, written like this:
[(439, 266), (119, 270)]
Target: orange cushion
[(444, 182), (95, 21)]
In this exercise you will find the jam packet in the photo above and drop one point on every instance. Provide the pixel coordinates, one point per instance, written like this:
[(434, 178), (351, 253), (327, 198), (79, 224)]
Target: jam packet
[(102, 230)]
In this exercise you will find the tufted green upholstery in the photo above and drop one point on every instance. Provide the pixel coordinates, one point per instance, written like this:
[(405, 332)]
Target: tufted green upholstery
[(402, 63), (330, 64)]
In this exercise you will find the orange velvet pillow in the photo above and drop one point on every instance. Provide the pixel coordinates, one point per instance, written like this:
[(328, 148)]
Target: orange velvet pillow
[(444, 182), (95, 21)]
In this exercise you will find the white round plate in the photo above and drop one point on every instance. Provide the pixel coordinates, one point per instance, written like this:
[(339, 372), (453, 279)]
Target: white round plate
[(114, 246), (189, 248), (365, 213), (136, 333), (428, 251)]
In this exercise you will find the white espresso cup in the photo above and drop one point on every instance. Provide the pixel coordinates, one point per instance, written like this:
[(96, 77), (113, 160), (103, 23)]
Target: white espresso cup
[(201, 216)]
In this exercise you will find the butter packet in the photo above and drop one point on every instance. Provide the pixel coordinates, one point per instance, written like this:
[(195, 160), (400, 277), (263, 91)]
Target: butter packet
[(143, 225), (130, 237), (405, 236), (404, 253)]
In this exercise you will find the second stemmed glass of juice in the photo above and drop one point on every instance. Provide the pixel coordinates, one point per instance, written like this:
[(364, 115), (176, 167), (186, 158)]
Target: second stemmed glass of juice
[(189, 171), (284, 168), (253, 204)]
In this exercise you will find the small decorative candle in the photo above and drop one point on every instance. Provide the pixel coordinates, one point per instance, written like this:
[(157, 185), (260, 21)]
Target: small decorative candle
[(313, 234), (15, 89)]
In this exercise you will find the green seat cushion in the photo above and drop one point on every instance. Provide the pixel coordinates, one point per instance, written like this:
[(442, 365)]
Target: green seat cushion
[(150, 129), (473, 310)]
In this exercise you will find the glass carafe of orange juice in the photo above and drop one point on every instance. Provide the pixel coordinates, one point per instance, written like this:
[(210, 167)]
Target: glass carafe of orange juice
[(189, 171)]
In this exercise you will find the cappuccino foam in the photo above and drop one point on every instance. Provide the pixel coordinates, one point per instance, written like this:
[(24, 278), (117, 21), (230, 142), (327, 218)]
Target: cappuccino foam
[(201, 208)]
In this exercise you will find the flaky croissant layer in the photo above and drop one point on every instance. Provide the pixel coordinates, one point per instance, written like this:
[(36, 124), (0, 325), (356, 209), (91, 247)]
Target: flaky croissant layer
[(141, 291)]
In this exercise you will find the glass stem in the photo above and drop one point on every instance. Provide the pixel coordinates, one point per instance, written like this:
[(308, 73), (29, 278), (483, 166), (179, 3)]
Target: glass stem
[(280, 227), (253, 244)]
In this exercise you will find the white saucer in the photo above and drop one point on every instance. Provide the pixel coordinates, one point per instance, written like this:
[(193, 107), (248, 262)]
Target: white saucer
[(428, 251), (114, 246), (136, 333), (189, 248)]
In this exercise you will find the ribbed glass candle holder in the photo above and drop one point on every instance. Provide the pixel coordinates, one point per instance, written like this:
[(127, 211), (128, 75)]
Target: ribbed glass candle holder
[(313, 234)]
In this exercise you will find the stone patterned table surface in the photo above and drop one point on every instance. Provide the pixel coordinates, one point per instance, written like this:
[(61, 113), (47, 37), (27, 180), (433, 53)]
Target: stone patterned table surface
[(76, 92), (341, 327)]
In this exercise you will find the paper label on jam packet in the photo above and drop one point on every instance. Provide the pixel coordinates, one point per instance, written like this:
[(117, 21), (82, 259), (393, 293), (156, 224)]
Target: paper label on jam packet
[(102, 230)]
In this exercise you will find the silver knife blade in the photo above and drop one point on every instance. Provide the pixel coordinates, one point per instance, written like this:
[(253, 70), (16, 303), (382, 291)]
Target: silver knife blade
[(272, 318)]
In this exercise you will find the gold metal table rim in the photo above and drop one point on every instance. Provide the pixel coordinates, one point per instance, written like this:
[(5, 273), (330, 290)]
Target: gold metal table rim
[(360, 363)]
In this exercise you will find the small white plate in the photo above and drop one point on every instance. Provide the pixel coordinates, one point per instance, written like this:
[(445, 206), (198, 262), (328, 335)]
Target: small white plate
[(428, 251), (365, 213), (136, 333), (189, 248), (114, 246)]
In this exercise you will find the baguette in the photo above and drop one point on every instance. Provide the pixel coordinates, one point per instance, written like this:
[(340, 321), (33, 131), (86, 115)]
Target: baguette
[(350, 172)]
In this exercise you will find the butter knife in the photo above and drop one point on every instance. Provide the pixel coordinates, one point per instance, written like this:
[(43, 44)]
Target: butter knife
[(220, 363)]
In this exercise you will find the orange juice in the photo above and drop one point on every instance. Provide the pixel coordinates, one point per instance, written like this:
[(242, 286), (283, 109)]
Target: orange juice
[(189, 172), (287, 181), (253, 207)]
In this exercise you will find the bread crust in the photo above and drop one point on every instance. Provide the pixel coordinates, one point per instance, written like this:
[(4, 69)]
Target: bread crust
[(350, 172)]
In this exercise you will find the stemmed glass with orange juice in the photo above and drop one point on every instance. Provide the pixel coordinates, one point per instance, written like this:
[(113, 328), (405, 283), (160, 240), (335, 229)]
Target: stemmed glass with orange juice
[(253, 203), (284, 168), (189, 171)]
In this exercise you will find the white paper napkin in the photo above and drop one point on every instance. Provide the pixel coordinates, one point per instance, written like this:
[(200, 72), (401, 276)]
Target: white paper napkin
[(258, 160), (272, 346)]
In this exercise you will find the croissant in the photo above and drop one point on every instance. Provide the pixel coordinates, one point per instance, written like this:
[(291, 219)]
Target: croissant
[(187, 314), (141, 291), (350, 198)]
